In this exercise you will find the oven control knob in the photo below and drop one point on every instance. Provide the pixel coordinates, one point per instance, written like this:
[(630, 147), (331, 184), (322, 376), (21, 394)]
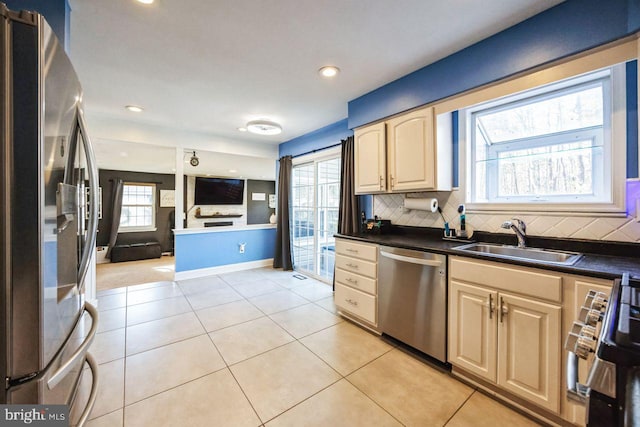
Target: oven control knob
[(589, 316), (596, 300), (581, 340), (584, 346)]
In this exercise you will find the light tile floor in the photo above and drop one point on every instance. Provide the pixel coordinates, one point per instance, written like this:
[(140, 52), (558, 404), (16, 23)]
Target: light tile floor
[(262, 348)]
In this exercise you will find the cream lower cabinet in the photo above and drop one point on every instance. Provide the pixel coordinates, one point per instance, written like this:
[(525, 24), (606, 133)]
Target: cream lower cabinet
[(508, 339), (356, 282)]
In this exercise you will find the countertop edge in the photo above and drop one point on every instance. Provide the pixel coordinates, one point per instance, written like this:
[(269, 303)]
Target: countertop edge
[(582, 267)]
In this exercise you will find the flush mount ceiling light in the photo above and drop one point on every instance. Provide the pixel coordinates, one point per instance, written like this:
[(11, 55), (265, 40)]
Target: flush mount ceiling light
[(329, 71), (264, 127), (145, 1), (134, 108), (194, 161)]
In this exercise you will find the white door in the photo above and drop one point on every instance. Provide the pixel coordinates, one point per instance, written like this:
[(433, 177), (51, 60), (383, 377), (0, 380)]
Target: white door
[(315, 202)]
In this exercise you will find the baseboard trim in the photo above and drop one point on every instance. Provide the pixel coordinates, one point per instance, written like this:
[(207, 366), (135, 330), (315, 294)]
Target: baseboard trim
[(229, 268)]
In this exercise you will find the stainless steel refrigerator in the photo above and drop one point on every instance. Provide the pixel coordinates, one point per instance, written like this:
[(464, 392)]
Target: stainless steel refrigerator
[(48, 190)]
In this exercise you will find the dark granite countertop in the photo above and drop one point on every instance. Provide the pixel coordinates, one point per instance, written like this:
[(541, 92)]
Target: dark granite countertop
[(608, 260)]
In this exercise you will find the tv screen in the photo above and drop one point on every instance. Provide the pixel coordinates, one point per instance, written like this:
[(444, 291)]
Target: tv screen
[(219, 191)]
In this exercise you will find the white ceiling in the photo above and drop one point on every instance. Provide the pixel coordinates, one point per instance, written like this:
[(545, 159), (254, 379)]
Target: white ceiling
[(203, 68)]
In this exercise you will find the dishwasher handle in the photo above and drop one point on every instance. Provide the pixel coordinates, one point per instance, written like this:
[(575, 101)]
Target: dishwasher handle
[(412, 260)]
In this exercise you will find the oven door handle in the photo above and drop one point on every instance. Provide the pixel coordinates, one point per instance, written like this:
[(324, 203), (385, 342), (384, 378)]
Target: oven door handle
[(576, 392), (411, 260)]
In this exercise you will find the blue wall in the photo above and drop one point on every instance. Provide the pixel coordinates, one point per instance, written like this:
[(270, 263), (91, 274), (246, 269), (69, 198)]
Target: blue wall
[(56, 12), (317, 140), (564, 30), (204, 250)]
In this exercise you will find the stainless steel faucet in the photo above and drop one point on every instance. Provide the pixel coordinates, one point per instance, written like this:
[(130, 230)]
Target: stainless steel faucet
[(520, 229)]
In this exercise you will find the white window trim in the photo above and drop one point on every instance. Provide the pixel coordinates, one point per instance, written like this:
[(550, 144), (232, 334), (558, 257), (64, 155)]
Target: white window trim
[(307, 159), (149, 228), (617, 161)]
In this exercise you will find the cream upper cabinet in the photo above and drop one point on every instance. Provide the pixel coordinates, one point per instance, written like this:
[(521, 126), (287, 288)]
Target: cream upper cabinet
[(410, 152), (370, 159), (411, 155)]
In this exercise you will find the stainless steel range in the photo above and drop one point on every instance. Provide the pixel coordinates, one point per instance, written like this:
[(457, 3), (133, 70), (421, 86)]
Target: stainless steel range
[(609, 328)]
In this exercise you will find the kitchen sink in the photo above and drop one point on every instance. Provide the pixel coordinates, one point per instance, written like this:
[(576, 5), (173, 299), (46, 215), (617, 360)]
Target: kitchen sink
[(525, 254)]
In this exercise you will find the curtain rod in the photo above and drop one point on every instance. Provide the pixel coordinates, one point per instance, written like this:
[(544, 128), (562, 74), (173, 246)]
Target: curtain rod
[(318, 149)]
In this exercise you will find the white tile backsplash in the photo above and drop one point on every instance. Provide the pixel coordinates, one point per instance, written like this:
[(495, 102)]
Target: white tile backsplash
[(622, 229)]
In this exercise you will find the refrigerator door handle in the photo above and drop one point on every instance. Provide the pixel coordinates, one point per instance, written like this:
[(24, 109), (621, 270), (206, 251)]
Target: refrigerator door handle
[(92, 227), (80, 352), (94, 390)]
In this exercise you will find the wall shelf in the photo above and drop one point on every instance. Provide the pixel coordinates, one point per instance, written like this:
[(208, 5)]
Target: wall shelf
[(219, 216)]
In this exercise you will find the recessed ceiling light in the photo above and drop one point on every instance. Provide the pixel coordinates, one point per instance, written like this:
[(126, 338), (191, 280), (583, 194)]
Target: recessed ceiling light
[(232, 171), (242, 129), (145, 1), (134, 108), (264, 127), (329, 71)]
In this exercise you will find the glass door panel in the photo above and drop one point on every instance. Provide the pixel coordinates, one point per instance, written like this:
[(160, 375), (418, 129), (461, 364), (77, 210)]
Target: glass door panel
[(315, 201)]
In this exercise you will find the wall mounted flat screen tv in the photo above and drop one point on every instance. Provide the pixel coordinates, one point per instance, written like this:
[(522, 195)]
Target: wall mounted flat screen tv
[(219, 191)]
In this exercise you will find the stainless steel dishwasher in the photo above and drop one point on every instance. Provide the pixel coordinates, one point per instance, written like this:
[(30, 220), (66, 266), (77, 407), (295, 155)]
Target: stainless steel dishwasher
[(412, 299)]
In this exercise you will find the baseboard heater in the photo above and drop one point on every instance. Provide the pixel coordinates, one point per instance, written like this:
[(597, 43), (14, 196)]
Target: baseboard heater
[(218, 223)]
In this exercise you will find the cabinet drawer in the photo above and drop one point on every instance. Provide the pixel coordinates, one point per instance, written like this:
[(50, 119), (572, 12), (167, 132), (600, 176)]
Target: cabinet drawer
[(356, 281), (358, 266), (357, 250), (356, 302), (526, 281)]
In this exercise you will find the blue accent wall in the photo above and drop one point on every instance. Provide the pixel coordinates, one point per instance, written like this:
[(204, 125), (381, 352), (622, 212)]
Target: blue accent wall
[(566, 29), (204, 250), (317, 140), (632, 119), (56, 12)]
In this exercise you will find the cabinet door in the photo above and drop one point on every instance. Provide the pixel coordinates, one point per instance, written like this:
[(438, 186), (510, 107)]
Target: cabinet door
[(529, 350), (411, 151), (472, 329), (370, 160)]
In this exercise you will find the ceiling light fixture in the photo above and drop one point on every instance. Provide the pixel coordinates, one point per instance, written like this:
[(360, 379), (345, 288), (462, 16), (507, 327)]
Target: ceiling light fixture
[(232, 171), (329, 71), (134, 108), (264, 127), (145, 1), (242, 129)]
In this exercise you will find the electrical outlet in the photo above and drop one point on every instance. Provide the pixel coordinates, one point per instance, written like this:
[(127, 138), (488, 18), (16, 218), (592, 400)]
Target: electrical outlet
[(241, 247)]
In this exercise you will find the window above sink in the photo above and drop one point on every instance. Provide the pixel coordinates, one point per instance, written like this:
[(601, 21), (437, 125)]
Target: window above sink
[(558, 147)]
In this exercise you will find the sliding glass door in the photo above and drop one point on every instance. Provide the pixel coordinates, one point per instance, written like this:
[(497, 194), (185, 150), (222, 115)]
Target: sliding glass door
[(315, 201)]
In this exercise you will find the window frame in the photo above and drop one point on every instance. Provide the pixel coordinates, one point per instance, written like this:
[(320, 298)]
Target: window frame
[(154, 210), (614, 152)]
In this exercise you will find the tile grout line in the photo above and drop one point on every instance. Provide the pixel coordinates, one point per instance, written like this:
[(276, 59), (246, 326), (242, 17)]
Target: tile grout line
[(227, 366), (460, 407)]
